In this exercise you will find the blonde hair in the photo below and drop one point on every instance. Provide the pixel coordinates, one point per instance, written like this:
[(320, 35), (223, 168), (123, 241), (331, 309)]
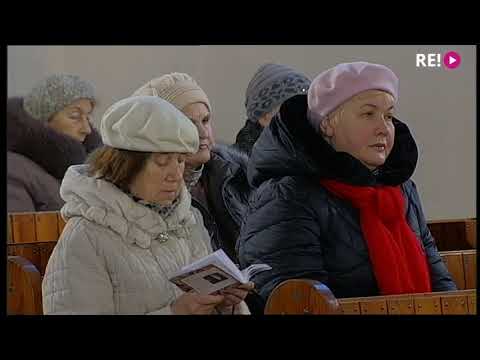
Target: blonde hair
[(334, 115)]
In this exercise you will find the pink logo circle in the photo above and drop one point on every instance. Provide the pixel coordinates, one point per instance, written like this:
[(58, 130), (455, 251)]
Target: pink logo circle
[(452, 60)]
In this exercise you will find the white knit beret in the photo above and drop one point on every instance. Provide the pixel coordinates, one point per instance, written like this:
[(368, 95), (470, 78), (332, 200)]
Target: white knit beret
[(149, 124)]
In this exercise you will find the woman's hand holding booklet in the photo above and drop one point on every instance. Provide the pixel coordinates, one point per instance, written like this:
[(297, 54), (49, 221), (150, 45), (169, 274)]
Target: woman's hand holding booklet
[(214, 272)]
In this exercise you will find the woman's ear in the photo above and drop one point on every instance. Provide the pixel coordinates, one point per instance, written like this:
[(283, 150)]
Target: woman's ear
[(326, 126)]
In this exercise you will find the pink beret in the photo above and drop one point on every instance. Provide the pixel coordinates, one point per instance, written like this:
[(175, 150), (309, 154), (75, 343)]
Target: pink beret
[(334, 86)]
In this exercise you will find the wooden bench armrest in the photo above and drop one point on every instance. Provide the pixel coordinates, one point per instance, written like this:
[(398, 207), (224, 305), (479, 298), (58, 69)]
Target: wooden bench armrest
[(24, 287), (301, 296)]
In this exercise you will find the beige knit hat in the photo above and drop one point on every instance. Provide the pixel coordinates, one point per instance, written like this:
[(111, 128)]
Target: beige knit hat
[(178, 89), (149, 124)]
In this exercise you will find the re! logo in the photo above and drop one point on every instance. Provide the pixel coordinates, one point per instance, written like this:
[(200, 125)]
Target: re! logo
[(450, 60)]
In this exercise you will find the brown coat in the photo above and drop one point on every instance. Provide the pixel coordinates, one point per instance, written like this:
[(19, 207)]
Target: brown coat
[(37, 159)]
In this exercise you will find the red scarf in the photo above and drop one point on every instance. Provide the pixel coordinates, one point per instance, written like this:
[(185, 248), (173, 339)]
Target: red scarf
[(398, 260)]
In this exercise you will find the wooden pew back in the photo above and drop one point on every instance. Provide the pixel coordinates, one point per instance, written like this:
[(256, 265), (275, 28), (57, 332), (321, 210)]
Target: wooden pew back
[(303, 296)]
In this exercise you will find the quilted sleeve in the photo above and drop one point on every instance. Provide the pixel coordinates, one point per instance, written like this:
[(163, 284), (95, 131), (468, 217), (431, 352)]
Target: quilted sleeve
[(76, 279)]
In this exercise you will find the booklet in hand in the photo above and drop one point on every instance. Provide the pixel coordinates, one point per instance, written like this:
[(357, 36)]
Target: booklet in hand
[(214, 272)]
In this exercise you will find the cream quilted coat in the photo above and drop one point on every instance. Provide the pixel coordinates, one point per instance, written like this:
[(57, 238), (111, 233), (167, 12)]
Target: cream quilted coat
[(115, 256)]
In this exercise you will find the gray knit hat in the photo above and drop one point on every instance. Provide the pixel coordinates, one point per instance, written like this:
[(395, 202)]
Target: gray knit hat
[(54, 93), (271, 85)]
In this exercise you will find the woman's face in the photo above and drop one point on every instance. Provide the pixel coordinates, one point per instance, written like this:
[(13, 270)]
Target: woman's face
[(200, 116), (161, 179), (363, 127), (73, 120)]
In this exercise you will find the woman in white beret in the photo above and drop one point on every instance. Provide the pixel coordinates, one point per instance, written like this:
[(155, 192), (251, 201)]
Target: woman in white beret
[(216, 174), (335, 200), (130, 223)]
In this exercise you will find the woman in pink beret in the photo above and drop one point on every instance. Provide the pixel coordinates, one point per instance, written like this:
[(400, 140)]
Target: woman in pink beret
[(335, 201)]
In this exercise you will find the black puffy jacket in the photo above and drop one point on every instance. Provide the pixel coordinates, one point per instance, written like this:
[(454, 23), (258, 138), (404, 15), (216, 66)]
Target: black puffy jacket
[(303, 231), (224, 182)]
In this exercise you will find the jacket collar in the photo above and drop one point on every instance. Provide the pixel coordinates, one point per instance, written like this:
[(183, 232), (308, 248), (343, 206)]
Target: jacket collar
[(103, 203)]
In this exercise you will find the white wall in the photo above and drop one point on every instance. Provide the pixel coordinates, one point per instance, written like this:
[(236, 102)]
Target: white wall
[(438, 104)]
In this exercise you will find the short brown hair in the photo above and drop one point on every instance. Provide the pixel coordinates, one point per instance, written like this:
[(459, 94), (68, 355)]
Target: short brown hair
[(117, 166)]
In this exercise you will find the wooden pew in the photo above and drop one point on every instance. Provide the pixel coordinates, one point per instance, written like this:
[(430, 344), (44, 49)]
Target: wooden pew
[(31, 238), (460, 234), (310, 297), (24, 296), (462, 265), (303, 296)]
